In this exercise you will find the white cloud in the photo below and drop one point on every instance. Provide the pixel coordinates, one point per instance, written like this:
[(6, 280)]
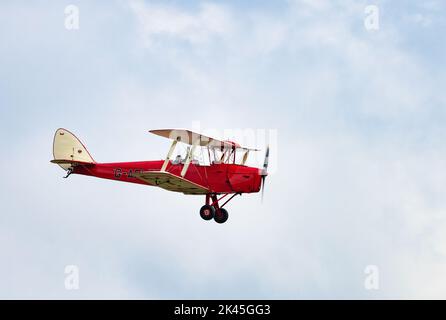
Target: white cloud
[(169, 21), (421, 19)]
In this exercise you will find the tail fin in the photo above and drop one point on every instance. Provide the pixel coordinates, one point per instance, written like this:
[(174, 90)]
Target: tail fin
[(68, 150)]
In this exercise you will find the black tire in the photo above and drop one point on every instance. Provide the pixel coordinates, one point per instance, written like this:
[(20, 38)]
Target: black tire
[(221, 215), (207, 212)]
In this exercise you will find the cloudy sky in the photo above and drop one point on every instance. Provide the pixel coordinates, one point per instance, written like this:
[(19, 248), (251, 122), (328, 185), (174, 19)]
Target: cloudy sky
[(359, 154)]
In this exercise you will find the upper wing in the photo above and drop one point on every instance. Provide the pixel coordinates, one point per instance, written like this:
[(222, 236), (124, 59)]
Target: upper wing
[(190, 137), (171, 182)]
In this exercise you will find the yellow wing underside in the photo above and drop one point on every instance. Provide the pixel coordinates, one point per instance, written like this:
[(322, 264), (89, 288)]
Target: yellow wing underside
[(171, 182)]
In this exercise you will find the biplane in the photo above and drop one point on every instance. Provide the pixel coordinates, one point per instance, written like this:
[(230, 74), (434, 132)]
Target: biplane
[(220, 174)]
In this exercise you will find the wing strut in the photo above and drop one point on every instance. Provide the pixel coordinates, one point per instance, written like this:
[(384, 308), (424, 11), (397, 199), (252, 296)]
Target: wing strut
[(169, 154), (245, 157), (189, 157)]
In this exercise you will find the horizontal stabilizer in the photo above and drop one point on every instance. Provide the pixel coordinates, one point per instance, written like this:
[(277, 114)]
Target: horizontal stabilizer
[(71, 162)]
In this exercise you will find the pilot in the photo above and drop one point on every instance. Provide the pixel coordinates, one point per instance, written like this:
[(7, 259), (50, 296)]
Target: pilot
[(178, 159)]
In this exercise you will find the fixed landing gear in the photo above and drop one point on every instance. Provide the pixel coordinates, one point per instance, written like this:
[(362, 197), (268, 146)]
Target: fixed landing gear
[(207, 212), (221, 215), (211, 210)]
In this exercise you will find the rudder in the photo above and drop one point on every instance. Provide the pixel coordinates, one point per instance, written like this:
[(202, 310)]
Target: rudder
[(68, 149)]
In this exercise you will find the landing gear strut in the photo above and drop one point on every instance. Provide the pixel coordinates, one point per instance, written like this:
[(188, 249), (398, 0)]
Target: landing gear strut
[(212, 210)]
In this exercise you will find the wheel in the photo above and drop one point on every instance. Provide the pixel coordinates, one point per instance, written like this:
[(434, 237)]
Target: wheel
[(221, 215), (207, 212)]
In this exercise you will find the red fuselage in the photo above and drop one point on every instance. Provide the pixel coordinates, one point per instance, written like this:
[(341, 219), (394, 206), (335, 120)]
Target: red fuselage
[(218, 178)]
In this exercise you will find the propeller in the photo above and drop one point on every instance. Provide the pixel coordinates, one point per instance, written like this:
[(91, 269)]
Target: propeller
[(265, 170)]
